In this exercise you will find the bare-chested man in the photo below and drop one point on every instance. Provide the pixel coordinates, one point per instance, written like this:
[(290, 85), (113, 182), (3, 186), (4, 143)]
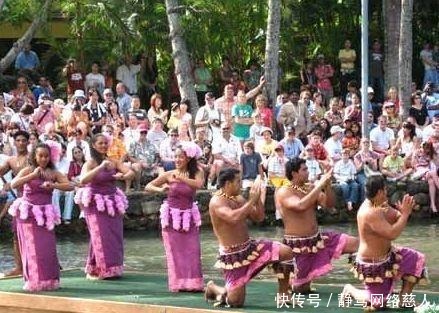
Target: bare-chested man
[(241, 257), (313, 250), (15, 164), (378, 264)]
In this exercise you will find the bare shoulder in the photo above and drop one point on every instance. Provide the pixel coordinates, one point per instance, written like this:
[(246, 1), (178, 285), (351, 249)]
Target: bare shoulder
[(216, 202), (283, 191)]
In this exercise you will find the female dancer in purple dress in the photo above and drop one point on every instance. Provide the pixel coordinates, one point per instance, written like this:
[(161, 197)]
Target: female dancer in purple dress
[(104, 206), (36, 219), (180, 219)]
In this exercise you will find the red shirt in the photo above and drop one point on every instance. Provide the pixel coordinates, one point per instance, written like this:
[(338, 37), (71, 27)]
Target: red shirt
[(75, 81)]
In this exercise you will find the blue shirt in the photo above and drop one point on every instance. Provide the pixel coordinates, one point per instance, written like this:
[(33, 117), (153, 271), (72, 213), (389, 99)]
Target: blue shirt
[(292, 149), (27, 60)]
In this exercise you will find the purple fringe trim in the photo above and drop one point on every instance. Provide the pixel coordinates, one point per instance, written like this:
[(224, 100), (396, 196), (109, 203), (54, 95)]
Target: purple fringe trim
[(112, 204), (181, 219), (45, 214)]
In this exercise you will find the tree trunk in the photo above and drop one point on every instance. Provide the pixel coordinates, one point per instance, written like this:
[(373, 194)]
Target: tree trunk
[(1, 4), (405, 56), (272, 50), (39, 20), (392, 17), (180, 55)]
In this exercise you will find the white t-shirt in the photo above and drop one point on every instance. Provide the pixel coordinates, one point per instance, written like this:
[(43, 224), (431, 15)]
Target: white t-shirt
[(95, 81), (382, 138), (333, 148), (128, 76)]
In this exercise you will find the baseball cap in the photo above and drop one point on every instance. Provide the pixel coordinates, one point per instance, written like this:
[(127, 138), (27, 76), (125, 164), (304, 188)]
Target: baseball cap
[(336, 129)]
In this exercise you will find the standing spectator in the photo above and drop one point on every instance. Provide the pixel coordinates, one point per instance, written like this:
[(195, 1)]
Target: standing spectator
[(241, 113), (61, 165), (226, 71), (156, 111), (347, 57), (97, 113), (123, 99), (344, 173), (94, 79), (75, 77), (430, 71), (266, 113), (376, 70), (252, 75), (251, 165), (203, 80), (43, 87), (293, 147), (104, 206), (209, 118), (127, 74), (324, 72), (21, 95), (27, 61), (308, 76), (430, 100), (147, 78)]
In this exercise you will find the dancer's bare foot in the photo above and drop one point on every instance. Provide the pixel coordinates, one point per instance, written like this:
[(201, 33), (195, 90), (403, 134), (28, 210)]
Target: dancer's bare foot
[(91, 277)]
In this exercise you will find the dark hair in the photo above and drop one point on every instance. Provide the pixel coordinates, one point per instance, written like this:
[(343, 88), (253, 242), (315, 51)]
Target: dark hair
[(93, 153), (225, 175), (23, 133), (411, 128), (80, 149), (192, 165), (374, 184), (293, 165), (33, 160), (187, 102)]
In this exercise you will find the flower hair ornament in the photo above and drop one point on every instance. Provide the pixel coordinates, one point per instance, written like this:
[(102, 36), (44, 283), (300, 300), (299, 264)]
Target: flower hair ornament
[(191, 149), (55, 150)]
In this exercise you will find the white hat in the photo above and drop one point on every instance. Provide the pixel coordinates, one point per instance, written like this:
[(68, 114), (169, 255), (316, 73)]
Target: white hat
[(370, 90), (79, 93), (336, 129)]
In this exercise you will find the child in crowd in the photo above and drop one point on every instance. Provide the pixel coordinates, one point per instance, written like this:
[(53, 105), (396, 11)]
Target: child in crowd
[(276, 167), (256, 130), (314, 169), (251, 165), (350, 142), (241, 113), (394, 167)]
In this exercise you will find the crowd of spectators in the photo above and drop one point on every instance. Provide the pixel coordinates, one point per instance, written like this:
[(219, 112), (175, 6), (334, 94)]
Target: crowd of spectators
[(237, 128)]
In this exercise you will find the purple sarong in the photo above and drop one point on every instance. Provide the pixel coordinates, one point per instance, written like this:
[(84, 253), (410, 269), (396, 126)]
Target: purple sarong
[(379, 277), (242, 262), (314, 254), (104, 206), (180, 221), (35, 219)]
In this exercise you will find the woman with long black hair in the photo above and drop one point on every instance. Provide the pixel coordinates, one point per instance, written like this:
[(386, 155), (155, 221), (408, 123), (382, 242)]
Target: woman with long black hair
[(180, 219)]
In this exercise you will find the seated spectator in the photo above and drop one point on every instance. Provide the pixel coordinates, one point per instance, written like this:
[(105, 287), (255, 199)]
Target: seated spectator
[(97, 113), (335, 113), (156, 111), (144, 157), (24, 117), (314, 168), (344, 173), (266, 113), (267, 146), (320, 152), (292, 146), (366, 163), (393, 119), (200, 137), (276, 167), (405, 140), (353, 111), (50, 134), (77, 140), (226, 151), (131, 133), (167, 150), (156, 134), (325, 128), (185, 132), (418, 111), (334, 145), (137, 111), (43, 87), (206, 160), (251, 165), (394, 167), (350, 142), (75, 168), (382, 137), (21, 95), (44, 113), (113, 115), (256, 131), (78, 115)]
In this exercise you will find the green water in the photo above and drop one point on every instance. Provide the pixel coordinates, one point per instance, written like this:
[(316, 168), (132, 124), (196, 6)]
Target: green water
[(144, 252)]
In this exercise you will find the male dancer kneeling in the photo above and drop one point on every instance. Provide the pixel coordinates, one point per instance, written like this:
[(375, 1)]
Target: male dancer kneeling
[(378, 263), (241, 257)]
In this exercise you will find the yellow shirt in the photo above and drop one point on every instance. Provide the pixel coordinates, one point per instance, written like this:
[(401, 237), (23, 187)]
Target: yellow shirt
[(349, 55), (267, 149)]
